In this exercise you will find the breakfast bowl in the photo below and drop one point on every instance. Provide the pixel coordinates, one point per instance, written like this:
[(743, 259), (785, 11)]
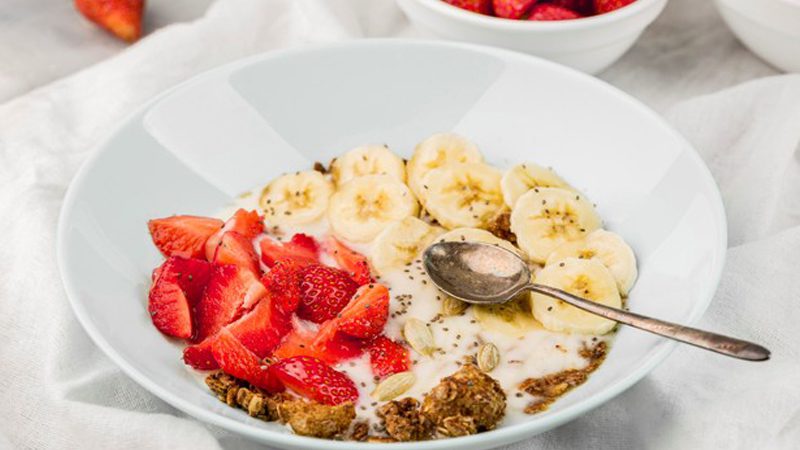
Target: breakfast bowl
[(590, 44), (770, 29), (198, 147)]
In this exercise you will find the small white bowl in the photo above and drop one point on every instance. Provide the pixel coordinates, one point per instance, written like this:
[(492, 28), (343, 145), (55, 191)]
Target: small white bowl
[(589, 44), (769, 28)]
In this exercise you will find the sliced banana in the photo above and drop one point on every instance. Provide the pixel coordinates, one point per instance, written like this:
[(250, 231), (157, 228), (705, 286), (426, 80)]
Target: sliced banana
[(586, 278), (477, 235), (437, 151), (463, 195), (545, 218), (367, 160), (608, 248), (524, 177), (296, 198), (364, 206), (401, 242), (512, 318)]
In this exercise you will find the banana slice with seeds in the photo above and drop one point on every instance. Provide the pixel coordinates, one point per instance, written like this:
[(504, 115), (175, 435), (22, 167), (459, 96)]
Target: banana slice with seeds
[(463, 195), (524, 177), (477, 235), (586, 278), (367, 160), (401, 242), (364, 206), (512, 318), (296, 198), (545, 218), (437, 151)]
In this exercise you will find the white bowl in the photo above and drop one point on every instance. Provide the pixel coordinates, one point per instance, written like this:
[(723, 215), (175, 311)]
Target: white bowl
[(769, 28), (590, 44), (197, 146)]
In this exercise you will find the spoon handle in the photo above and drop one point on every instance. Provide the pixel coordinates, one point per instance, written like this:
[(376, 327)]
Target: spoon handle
[(725, 345)]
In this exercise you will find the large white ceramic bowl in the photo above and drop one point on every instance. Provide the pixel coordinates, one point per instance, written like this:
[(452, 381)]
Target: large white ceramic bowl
[(590, 44), (197, 146), (769, 28)]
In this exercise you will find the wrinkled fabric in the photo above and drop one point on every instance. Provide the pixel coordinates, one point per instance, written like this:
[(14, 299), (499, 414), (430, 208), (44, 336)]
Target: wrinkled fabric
[(60, 391)]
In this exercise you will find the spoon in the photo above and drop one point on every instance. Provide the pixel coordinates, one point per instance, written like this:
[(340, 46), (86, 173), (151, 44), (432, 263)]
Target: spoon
[(484, 274)]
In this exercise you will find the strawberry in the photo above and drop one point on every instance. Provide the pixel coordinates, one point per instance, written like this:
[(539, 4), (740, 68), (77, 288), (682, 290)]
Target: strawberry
[(582, 7), (302, 249), (199, 356), (121, 17), (182, 235), (327, 344), (552, 12), (246, 223), (387, 357), (236, 360), (283, 284), (262, 329), (512, 9), (353, 262), (604, 6), (222, 300), (366, 314), (177, 286), (324, 291), (237, 249), (315, 380), (478, 6)]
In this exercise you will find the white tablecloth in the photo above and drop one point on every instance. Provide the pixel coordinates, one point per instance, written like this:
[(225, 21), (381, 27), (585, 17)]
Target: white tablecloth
[(59, 390)]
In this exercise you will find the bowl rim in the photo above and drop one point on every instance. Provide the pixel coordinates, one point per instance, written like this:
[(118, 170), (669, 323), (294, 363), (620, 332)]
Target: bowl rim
[(502, 24), (500, 436)]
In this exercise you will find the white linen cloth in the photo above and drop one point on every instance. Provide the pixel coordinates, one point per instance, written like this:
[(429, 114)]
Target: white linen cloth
[(59, 391)]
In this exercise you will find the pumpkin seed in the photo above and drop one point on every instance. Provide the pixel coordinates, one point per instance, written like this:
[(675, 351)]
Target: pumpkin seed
[(394, 386), (419, 336), (488, 357)]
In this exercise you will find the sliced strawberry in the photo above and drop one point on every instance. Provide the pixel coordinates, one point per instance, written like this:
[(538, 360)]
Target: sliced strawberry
[(178, 285), (236, 360), (182, 235), (199, 356), (262, 329), (327, 344), (582, 7), (605, 6), (512, 9), (350, 260), (324, 291), (547, 11), (191, 274), (478, 6), (237, 249), (315, 380), (302, 249), (246, 223), (121, 17), (283, 284), (387, 357), (366, 314), (222, 300)]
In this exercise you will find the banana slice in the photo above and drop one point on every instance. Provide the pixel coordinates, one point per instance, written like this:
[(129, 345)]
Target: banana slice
[(524, 177), (296, 198), (367, 160), (401, 242), (586, 278), (545, 218), (364, 206), (608, 248), (463, 195), (477, 235), (512, 318), (437, 151)]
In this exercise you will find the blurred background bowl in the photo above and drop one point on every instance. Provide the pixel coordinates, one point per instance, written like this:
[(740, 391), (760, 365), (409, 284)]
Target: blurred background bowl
[(590, 44)]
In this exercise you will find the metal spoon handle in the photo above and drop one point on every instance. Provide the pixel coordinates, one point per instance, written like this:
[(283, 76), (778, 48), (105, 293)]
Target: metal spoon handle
[(725, 345)]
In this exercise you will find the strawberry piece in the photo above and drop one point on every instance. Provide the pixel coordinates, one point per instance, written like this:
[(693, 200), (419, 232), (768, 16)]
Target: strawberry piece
[(324, 291), (223, 300), (182, 235), (236, 360), (552, 12), (246, 223), (327, 344), (237, 249), (121, 17), (350, 260), (604, 6), (512, 9), (478, 6), (283, 284), (315, 380), (366, 314), (387, 357), (302, 249), (199, 356), (582, 7), (178, 285), (262, 329)]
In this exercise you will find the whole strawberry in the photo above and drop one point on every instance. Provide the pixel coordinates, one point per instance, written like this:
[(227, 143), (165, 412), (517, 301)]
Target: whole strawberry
[(512, 9), (478, 6), (604, 6), (552, 12)]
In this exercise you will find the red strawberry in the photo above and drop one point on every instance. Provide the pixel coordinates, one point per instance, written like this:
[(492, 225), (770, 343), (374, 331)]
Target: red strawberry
[(236, 249), (246, 223), (182, 235), (222, 300), (552, 12), (262, 329), (236, 360), (366, 314), (387, 357), (478, 6), (283, 284), (178, 285), (350, 260), (582, 7), (324, 291), (512, 9), (604, 6), (301, 249), (327, 344), (199, 356), (315, 380), (121, 17)]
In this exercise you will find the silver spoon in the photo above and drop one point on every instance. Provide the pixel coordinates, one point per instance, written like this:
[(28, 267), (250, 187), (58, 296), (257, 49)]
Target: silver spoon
[(484, 274)]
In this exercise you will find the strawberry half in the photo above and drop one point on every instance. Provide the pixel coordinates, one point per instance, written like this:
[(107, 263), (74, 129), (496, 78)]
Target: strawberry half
[(552, 12), (302, 249), (366, 314), (512, 9), (199, 356), (182, 235), (236, 360), (327, 344), (237, 249), (324, 291), (387, 357), (121, 17), (262, 329), (315, 380), (178, 285), (605, 6), (223, 299), (349, 260), (478, 6), (283, 284), (246, 223)]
